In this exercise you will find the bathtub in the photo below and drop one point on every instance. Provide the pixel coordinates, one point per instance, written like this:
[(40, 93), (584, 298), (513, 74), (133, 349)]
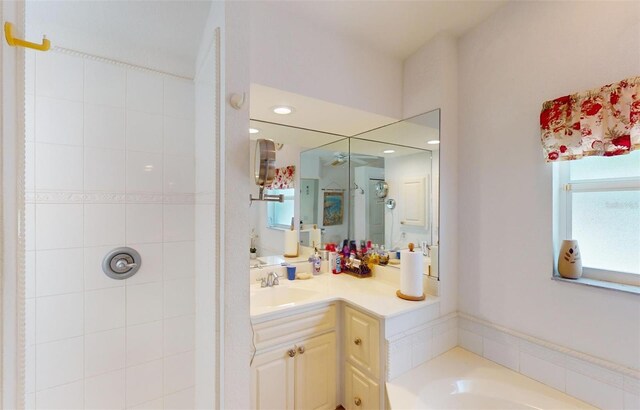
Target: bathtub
[(460, 379)]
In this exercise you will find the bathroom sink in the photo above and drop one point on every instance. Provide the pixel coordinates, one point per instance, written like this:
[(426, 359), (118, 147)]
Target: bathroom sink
[(280, 296)]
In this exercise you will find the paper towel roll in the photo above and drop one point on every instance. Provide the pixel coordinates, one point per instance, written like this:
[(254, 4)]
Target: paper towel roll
[(291, 243), (411, 266), (434, 261), (315, 238)]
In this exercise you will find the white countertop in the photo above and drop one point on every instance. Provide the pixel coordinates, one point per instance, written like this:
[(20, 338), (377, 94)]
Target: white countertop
[(374, 296)]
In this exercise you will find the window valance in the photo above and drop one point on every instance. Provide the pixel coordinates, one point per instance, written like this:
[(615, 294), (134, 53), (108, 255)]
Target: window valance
[(603, 122), (284, 178)]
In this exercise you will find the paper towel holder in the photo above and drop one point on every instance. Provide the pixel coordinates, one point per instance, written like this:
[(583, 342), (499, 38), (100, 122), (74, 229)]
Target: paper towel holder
[(264, 170)]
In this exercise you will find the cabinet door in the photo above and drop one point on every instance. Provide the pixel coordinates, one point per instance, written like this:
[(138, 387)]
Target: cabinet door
[(272, 376), (362, 340), (360, 392), (316, 376)]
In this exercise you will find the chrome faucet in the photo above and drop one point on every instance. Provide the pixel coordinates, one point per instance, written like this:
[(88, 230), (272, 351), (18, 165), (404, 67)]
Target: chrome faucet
[(271, 280)]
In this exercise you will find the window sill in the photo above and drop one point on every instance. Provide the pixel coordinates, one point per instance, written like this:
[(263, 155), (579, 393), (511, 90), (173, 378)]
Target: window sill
[(601, 284)]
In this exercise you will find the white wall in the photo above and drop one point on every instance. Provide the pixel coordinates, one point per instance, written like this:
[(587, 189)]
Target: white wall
[(526, 53), (291, 53), (109, 163), (430, 82)]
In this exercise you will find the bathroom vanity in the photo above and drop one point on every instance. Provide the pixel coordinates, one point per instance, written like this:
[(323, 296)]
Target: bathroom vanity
[(323, 342)]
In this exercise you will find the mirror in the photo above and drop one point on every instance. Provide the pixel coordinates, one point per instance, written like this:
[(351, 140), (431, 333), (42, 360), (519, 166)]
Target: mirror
[(380, 186)]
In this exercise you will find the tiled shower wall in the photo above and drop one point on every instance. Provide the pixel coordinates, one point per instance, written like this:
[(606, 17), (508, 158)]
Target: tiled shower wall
[(109, 163)]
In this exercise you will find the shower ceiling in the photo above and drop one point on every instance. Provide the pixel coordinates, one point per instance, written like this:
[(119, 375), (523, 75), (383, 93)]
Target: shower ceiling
[(162, 35)]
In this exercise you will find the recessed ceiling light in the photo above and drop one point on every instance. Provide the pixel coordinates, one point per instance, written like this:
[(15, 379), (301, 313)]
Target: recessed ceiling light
[(253, 130), (282, 110), (389, 151), (433, 142)]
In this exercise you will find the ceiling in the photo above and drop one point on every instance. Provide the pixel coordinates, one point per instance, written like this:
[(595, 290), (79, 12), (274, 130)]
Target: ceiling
[(164, 35), (395, 27)]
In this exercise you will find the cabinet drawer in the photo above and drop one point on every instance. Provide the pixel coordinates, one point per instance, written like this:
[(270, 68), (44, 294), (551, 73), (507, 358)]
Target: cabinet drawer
[(275, 332), (360, 392), (362, 339)]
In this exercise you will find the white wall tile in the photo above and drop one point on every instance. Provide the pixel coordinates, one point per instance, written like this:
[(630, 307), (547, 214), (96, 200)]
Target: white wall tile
[(30, 117), (144, 172), (593, 391), (179, 174), (151, 268), (58, 121), (179, 260), (29, 166), (179, 136), (104, 83), (30, 227), (144, 92), (144, 303), (179, 335), (144, 383), (59, 226), (105, 391), (179, 297), (59, 362), (104, 126), (94, 276), (59, 271), (179, 98), (631, 401), (506, 355), (144, 132), (470, 341), (30, 319), (59, 76), (58, 167), (30, 369), (182, 400), (104, 224), (30, 274), (399, 357), (104, 309), (445, 341), (104, 352), (421, 347), (178, 223), (66, 397), (30, 401), (157, 404), (144, 223), (59, 317), (543, 371), (179, 372), (144, 343), (104, 170)]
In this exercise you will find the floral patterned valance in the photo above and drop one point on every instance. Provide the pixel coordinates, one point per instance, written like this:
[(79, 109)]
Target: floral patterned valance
[(604, 122), (283, 178)]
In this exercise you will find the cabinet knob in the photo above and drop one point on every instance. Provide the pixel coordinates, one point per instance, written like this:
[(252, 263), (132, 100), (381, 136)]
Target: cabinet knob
[(301, 349), (357, 401), (291, 352), (357, 341)]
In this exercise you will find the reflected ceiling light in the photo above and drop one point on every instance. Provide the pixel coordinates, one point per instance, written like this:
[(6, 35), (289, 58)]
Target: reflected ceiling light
[(433, 142), (254, 130), (388, 151), (282, 109)]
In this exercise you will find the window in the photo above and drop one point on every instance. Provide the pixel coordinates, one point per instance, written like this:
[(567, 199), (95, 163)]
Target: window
[(598, 204), (279, 214)]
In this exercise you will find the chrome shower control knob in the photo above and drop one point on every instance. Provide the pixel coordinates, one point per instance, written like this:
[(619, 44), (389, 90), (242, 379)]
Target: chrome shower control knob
[(121, 263)]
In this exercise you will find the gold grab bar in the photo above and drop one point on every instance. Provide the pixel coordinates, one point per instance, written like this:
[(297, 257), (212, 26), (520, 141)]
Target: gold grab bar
[(16, 42)]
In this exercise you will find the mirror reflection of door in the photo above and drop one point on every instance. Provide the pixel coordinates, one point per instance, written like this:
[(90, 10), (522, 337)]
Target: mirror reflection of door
[(308, 201)]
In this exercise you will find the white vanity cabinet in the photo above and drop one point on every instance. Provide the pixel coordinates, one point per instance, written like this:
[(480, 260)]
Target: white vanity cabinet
[(295, 366), (362, 378)]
